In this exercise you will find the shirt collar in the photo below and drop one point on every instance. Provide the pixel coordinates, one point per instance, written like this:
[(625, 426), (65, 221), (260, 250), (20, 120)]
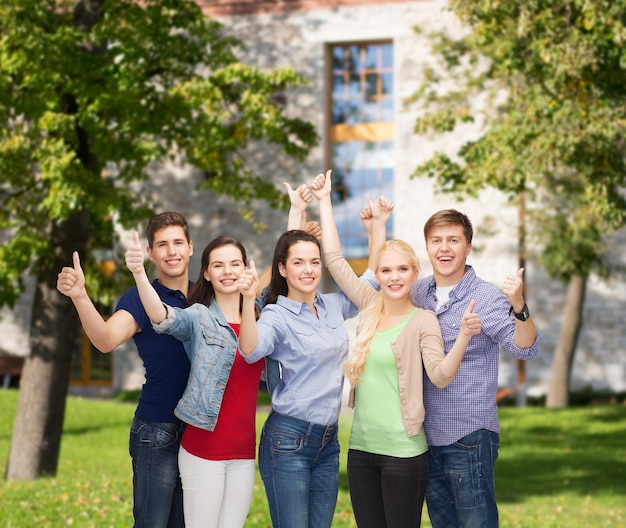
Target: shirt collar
[(461, 289), (164, 290), (294, 306)]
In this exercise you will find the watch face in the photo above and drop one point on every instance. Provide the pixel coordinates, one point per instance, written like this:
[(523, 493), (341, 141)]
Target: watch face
[(524, 314)]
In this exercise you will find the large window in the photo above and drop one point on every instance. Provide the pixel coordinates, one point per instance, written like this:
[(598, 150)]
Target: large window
[(361, 134)]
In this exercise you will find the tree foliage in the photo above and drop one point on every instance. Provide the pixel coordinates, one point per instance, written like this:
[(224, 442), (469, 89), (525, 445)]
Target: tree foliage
[(545, 81), (87, 83), (91, 84)]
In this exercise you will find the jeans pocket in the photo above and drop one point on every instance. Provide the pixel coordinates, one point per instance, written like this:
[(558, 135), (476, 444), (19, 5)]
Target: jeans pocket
[(154, 435), (285, 443), (164, 439), (464, 470)]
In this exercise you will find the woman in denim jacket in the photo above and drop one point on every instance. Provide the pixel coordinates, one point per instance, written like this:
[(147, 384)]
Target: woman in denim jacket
[(216, 457)]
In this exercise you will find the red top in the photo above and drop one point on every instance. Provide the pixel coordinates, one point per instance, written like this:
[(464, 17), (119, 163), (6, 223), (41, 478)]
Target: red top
[(234, 436)]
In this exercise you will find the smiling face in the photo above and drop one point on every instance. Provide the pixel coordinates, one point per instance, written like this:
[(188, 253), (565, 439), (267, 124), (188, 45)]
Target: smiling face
[(302, 270), (225, 266), (448, 249), (395, 274), (171, 251)]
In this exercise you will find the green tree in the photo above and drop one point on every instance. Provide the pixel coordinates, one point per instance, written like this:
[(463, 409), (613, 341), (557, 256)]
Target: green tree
[(545, 80), (90, 82)]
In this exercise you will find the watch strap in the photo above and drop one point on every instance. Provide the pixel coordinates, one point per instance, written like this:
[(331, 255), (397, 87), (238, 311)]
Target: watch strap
[(524, 315)]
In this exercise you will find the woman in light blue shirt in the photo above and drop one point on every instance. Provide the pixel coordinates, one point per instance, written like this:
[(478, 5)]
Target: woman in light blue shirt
[(302, 332)]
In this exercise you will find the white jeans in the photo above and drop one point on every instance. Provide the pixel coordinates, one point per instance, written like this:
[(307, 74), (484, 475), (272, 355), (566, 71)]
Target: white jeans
[(216, 493)]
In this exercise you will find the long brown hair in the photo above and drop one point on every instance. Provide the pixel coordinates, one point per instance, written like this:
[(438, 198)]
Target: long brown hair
[(278, 283), (202, 291)]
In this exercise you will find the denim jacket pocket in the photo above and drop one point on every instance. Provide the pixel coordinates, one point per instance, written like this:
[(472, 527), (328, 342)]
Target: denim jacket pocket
[(209, 352), (213, 360)]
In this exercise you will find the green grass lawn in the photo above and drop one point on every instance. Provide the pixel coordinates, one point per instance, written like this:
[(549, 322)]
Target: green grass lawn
[(557, 469)]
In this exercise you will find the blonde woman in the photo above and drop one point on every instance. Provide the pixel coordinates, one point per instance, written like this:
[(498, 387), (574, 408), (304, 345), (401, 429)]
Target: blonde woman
[(395, 343)]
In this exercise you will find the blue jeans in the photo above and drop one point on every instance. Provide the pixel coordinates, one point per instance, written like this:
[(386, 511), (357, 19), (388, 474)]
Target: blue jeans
[(157, 490), (299, 465), (461, 489)]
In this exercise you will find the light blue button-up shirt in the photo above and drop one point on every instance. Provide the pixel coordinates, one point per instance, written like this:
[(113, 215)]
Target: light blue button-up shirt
[(311, 352)]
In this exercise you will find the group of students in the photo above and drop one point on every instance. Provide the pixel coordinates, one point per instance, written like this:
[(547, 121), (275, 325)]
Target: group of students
[(205, 344)]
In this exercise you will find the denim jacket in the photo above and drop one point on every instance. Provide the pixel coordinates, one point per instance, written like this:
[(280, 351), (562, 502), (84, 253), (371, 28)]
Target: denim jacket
[(211, 345)]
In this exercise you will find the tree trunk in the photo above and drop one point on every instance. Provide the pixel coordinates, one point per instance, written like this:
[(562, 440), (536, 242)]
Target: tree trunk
[(36, 440), (558, 391)]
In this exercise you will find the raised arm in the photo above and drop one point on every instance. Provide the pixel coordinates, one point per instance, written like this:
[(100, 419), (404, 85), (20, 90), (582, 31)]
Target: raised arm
[(104, 335), (149, 297), (525, 329), (248, 333), (374, 217), (321, 187), (299, 198), (359, 293)]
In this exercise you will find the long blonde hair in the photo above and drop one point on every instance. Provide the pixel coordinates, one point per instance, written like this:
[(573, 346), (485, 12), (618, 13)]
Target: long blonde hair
[(370, 316)]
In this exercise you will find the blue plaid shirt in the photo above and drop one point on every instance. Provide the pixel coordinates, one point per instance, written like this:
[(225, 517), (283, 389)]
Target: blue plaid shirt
[(469, 402)]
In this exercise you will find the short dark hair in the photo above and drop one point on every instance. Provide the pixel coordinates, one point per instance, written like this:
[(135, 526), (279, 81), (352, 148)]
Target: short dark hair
[(278, 283), (163, 220), (449, 217)]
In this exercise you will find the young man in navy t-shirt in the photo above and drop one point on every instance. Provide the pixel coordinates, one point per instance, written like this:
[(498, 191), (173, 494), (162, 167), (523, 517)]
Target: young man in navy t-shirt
[(155, 432)]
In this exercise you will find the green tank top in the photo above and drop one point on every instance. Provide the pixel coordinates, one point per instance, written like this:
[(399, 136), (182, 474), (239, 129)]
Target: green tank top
[(377, 425)]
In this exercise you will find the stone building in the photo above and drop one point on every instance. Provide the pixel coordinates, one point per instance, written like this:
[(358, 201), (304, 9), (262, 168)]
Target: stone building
[(362, 58)]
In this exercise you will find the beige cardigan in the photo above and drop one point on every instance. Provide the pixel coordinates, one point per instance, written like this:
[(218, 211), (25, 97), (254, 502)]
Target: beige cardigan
[(420, 342)]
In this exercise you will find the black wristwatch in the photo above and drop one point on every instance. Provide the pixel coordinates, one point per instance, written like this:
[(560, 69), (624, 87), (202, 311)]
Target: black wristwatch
[(524, 315)]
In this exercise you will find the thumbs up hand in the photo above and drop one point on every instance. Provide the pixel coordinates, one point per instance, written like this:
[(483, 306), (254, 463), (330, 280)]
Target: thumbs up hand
[(71, 280), (299, 197), (470, 324), (248, 281), (321, 185), (134, 256), (513, 288)]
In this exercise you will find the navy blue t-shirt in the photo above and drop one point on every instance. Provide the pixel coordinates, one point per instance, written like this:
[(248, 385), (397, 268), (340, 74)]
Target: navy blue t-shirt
[(164, 358)]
